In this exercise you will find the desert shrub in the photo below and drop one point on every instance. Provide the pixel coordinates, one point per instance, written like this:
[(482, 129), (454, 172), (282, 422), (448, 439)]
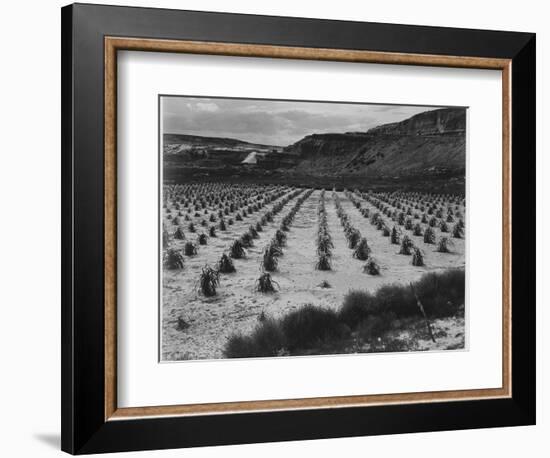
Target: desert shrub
[(450, 218), (237, 250), (209, 281), (444, 244), (417, 229), (246, 240), (353, 236), (424, 219), (225, 265), (429, 235), (311, 326), (406, 245), (265, 284), (395, 236), (212, 231), (357, 306), (362, 250), (190, 249), (222, 225), (324, 244), (408, 224), (165, 238), (212, 218), (442, 293), (266, 340), (325, 284), (259, 227), (178, 234), (417, 258), (204, 223), (238, 217), (202, 239), (173, 259), (253, 232), (398, 299), (444, 227), (433, 221), (401, 219), (457, 232), (269, 260), (191, 227), (376, 325), (385, 231), (371, 267), (323, 262), (182, 324), (230, 221), (280, 238)]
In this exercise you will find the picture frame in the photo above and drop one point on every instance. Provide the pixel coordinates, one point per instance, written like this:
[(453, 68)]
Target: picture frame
[(92, 35)]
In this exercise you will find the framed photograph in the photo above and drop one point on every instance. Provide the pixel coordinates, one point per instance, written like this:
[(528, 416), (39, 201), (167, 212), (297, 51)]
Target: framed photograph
[(283, 228)]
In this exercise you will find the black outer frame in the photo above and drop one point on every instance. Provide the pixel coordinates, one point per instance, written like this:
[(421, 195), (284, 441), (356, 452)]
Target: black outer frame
[(84, 429)]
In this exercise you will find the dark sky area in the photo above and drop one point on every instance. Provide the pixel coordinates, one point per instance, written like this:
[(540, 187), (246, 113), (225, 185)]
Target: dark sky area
[(274, 122)]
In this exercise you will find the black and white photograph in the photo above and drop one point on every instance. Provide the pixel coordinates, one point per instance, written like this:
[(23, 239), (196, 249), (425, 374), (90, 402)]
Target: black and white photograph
[(294, 228)]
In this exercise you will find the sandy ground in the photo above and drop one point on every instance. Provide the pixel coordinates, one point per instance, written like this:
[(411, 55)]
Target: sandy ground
[(237, 306)]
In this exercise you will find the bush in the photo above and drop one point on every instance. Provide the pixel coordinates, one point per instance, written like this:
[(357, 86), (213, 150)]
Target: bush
[(237, 250), (269, 260), (385, 231), (212, 231), (417, 258), (208, 281), (267, 340), (443, 227), (362, 250), (222, 226), (394, 236), (417, 229), (357, 306), (190, 249), (202, 239), (442, 293), (443, 245), (165, 238), (191, 227), (323, 262), (253, 232), (312, 326), (225, 265), (178, 234), (371, 267), (406, 245), (173, 259), (280, 238), (353, 236), (429, 235), (457, 232), (265, 284), (246, 240)]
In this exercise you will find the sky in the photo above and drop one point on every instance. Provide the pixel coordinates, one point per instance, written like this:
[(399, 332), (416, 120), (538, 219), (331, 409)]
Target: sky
[(274, 122)]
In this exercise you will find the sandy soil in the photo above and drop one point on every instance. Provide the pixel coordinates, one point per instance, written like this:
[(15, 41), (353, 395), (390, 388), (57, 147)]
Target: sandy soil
[(237, 306)]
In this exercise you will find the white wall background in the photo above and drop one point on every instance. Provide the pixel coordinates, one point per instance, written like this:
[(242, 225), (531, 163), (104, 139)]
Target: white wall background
[(30, 227)]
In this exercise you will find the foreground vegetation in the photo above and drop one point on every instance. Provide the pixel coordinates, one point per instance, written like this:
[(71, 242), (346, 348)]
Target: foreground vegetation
[(363, 319)]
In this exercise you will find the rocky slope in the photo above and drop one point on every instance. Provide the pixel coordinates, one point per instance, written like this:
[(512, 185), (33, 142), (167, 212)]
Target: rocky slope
[(432, 142)]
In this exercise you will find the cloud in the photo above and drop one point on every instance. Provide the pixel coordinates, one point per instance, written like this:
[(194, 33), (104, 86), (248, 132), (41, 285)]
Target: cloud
[(274, 122)]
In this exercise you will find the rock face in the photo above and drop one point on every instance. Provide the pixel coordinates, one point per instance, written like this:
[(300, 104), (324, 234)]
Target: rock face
[(429, 143), (432, 143)]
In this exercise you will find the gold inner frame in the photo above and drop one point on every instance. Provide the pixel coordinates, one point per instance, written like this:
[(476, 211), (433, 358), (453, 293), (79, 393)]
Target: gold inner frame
[(114, 44)]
